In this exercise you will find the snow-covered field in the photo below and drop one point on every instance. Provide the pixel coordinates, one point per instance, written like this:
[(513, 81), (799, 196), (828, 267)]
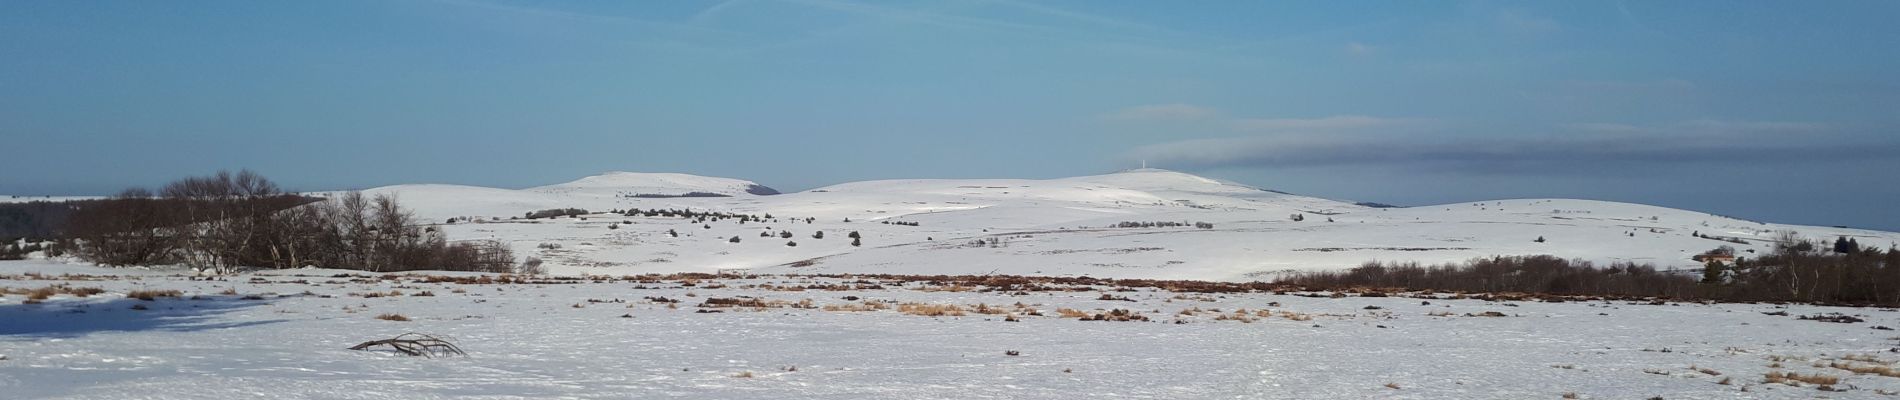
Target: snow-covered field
[(591, 330), (1062, 227), (284, 334)]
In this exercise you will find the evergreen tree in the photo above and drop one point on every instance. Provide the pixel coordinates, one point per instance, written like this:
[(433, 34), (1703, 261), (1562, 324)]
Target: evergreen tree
[(1712, 272)]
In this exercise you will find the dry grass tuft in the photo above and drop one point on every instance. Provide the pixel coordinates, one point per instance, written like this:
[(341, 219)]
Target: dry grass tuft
[(866, 305), (36, 295), (1864, 358), (954, 287), (986, 309), (930, 310), (1858, 369), (1071, 313), (1295, 316), (1794, 379), (393, 317), (1240, 315)]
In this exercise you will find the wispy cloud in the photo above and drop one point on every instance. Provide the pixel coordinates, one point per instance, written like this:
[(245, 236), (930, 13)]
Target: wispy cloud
[(541, 12), (1332, 123), (1576, 147), (1159, 112), (1360, 49), (1523, 22)]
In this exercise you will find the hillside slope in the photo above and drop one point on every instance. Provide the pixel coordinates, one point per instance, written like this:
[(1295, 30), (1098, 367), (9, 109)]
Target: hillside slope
[(1063, 226)]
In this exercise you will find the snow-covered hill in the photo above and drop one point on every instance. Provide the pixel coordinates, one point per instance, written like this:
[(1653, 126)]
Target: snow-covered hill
[(1063, 227), (657, 185)]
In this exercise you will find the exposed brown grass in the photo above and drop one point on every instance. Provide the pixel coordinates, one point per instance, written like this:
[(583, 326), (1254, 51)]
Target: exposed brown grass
[(1119, 315), (150, 295), (866, 305), (393, 317), (1071, 313), (1864, 358), (930, 310), (954, 287), (1859, 369), (1239, 315), (988, 310), (1795, 379), (1295, 316), (35, 295)]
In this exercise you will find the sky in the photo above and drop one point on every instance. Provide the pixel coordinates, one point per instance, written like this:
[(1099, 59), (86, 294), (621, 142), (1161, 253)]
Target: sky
[(1768, 110)]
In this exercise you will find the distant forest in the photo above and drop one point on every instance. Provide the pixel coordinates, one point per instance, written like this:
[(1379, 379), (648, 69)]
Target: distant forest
[(35, 219)]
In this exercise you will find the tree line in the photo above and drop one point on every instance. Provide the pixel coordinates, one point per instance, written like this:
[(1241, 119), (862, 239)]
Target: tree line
[(1797, 270), (234, 220)]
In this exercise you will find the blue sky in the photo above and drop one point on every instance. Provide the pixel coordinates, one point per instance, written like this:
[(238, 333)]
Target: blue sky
[(1780, 111)]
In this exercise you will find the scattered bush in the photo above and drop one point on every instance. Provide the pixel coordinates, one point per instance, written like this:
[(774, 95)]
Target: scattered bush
[(150, 295), (1528, 274), (554, 213)]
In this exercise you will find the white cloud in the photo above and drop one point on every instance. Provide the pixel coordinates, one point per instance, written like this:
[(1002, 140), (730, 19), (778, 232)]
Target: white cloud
[(1576, 147)]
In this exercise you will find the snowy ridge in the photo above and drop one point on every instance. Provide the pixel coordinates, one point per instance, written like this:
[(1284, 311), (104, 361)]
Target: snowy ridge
[(639, 184), (1065, 226)]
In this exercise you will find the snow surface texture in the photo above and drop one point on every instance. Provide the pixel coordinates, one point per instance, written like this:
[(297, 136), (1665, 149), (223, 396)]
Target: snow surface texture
[(605, 340), (1063, 227)]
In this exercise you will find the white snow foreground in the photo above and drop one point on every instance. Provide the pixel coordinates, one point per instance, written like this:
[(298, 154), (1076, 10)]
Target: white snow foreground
[(285, 335), (1062, 227)]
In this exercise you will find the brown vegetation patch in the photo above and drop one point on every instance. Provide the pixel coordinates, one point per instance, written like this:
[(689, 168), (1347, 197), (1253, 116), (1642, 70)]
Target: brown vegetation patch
[(150, 295), (930, 310)]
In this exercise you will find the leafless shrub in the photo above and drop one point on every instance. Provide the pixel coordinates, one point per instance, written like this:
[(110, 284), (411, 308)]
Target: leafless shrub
[(414, 344)]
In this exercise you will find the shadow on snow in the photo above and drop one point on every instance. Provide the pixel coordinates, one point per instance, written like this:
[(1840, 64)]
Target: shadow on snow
[(66, 318)]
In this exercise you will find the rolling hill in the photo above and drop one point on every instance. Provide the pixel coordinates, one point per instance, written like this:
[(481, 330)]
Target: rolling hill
[(1064, 226)]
